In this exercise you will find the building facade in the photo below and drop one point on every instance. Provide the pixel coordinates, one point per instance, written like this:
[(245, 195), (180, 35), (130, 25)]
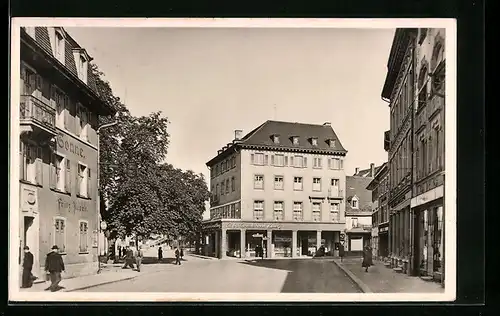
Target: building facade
[(282, 187), (414, 88), (358, 228), (428, 155), (380, 216), (59, 108)]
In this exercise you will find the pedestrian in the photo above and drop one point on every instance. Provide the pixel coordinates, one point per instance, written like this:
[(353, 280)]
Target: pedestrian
[(138, 259), (54, 265), (27, 279), (177, 256), (119, 252), (182, 253), (367, 258), (129, 258), (341, 252), (160, 254)]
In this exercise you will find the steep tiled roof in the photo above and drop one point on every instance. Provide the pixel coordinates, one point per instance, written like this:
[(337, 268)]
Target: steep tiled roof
[(262, 136), (357, 186), (42, 38)]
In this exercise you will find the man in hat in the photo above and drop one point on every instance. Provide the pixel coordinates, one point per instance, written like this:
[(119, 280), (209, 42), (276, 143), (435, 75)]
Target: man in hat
[(54, 265), (27, 266)]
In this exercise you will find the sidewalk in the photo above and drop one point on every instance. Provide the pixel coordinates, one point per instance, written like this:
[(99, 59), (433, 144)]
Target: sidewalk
[(380, 279)]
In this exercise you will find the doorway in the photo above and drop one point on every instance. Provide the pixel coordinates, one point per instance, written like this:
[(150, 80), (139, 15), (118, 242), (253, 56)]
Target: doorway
[(305, 246)]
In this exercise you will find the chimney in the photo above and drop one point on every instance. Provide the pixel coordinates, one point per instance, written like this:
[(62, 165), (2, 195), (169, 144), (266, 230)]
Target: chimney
[(372, 170), (237, 134), (327, 124), (356, 171)]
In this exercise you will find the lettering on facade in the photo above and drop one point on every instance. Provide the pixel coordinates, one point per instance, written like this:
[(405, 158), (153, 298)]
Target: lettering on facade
[(252, 226), (70, 146), (71, 207)]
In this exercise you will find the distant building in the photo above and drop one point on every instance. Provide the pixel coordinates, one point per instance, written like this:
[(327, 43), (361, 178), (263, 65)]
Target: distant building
[(380, 215), (283, 186), (359, 209), (59, 109)]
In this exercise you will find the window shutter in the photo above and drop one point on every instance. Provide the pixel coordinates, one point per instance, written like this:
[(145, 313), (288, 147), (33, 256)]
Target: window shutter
[(67, 178), (286, 161), (291, 161), (266, 160), (39, 171), (65, 108), (304, 162), (341, 163), (89, 182), (272, 160), (52, 172), (252, 158)]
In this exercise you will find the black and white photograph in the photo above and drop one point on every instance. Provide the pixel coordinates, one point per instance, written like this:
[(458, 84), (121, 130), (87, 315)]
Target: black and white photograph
[(232, 160)]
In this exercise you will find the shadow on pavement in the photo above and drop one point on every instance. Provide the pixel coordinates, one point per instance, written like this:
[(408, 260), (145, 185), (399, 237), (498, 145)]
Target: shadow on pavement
[(310, 276), (154, 260)]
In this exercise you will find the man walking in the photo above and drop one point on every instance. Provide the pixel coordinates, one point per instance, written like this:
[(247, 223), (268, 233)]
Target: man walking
[(160, 254), (177, 256), (129, 258), (54, 265), (138, 259), (27, 266)]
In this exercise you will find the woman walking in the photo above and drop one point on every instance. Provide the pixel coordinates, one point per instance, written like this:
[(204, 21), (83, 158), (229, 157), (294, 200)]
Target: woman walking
[(367, 258)]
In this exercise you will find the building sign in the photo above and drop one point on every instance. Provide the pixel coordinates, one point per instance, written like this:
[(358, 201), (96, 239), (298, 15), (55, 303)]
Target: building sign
[(29, 199), (252, 226), (71, 206), (66, 144), (383, 229), (428, 196)]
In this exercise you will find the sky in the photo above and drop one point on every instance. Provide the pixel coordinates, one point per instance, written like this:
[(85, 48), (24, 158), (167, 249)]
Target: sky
[(212, 81)]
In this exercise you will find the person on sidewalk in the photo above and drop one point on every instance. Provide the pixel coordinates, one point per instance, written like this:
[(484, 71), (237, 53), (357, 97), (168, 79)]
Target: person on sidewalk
[(129, 258), (177, 256), (160, 254), (182, 253), (139, 258), (367, 258), (54, 265), (341, 252), (27, 279)]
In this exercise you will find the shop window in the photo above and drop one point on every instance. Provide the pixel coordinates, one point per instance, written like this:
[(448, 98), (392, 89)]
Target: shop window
[(438, 240)]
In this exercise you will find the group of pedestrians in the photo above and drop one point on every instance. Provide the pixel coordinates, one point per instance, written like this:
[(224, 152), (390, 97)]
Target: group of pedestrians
[(179, 254), (54, 266), (129, 258)]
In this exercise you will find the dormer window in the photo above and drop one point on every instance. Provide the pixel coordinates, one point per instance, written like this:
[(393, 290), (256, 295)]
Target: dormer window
[(82, 60), (295, 140), (314, 141), (354, 202), (59, 46), (276, 139), (331, 143)]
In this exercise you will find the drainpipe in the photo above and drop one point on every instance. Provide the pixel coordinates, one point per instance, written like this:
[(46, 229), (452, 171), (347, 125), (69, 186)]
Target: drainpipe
[(99, 192)]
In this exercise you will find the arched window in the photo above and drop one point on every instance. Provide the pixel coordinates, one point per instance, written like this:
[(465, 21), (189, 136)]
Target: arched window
[(437, 66), (422, 86)]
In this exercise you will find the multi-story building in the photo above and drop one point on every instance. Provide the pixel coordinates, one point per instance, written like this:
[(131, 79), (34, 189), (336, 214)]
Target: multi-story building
[(280, 186), (358, 211), (415, 90), (399, 92), (380, 216), (59, 108), (428, 154)]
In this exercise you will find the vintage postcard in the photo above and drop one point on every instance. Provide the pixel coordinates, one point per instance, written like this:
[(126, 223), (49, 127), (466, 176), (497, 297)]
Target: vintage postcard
[(233, 160)]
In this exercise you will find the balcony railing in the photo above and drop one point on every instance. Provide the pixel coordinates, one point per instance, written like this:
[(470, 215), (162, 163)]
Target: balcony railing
[(37, 111)]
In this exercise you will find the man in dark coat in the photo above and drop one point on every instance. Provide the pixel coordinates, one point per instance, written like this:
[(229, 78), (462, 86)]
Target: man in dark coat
[(341, 252), (177, 256), (27, 266), (138, 259), (54, 265), (367, 258), (160, 254), (129, 258)]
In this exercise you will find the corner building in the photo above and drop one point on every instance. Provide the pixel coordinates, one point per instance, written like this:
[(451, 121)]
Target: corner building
[(281, 186), (59, 109)]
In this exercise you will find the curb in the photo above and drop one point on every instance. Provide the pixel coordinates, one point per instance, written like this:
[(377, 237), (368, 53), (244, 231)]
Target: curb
[(99, 284), (202, 257), (361, 285)]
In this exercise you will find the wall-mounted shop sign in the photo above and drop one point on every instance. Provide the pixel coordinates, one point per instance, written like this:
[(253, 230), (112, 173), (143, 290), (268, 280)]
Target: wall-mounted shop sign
[(71, 206), (29, 199), (66, 144), (212, 226), (251, 226)]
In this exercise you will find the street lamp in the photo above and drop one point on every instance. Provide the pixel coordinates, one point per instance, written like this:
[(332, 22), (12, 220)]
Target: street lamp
[(99, 192)]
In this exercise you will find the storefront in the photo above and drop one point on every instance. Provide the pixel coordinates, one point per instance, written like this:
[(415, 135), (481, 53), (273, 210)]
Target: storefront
[(383, 241), (282, 244)]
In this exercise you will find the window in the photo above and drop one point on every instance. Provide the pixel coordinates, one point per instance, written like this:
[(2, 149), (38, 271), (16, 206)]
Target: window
[(258, 182), (259, 159), (334, 212), (83, 180), (316, 211), (354, 203), (276, 139), (295, 140), (227, 186), (317, 162), (60, 233), (334, 188), (222, 188), (297, 183), (278, 160), (422, 85), (258, 210), (61, 106), (316, 184), (84, 237), (233, 162), (278, 183), (354, 222), (233, 184), (299, 161), (59, 51), (335, 163), (217, 190), (31, 163), (331, 142), (82, 68), (59, 173), (314, 141), (278, 211), (297, 211)]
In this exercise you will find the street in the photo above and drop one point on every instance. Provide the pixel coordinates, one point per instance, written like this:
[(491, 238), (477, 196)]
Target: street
[(224, 276)]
